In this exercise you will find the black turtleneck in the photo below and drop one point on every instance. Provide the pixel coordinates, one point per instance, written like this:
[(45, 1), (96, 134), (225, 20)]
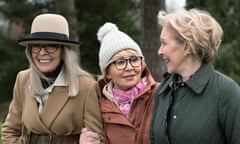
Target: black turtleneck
[(51, 76)]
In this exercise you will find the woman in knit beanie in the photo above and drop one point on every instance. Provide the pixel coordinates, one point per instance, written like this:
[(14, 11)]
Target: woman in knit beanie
[(125, 89)]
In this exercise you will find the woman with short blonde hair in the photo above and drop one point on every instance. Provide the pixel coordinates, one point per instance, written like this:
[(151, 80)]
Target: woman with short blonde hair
[(195, 104)]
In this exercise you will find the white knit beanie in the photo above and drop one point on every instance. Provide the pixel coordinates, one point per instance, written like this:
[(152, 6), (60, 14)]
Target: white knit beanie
[(112, 41)]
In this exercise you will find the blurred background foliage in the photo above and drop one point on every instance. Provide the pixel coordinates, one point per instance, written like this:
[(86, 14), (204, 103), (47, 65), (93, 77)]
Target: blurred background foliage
[(89, 16)]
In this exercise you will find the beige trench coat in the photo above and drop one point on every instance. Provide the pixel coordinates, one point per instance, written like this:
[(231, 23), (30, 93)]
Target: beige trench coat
[(61, 114)]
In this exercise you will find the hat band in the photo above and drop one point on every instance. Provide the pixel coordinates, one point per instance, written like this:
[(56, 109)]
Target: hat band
[(49, 35)]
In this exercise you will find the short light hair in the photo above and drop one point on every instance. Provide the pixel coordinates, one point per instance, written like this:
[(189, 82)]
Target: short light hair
[(197, 28)]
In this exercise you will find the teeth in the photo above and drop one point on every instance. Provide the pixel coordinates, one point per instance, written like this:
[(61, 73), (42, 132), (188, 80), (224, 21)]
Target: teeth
[(44, 61), (165, 60)]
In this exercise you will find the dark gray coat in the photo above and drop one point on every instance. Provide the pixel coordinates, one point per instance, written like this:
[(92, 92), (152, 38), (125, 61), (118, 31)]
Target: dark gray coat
[(206, 110)]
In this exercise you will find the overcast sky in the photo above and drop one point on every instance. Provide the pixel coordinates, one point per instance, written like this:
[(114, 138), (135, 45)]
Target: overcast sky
[(172, 5)]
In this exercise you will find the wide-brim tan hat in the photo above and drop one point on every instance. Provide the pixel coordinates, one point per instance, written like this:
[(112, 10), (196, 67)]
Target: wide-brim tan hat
[(49, 28)]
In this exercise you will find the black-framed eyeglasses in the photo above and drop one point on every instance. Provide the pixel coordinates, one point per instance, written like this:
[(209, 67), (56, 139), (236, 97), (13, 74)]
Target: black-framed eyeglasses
[(49, 48), (134, 61)]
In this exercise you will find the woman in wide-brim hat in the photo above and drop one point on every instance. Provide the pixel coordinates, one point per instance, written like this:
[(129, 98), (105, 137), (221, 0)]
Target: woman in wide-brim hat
[(55, 98)]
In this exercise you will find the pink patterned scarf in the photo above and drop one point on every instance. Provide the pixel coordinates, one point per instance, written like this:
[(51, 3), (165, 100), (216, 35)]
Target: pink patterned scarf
[(125, 98)]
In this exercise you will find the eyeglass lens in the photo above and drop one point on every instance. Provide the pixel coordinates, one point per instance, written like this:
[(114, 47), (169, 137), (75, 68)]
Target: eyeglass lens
[(50, 48), (135, 61)]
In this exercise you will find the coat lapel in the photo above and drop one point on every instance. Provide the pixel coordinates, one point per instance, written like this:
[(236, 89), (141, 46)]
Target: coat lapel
[(55, 103), (31, 115)]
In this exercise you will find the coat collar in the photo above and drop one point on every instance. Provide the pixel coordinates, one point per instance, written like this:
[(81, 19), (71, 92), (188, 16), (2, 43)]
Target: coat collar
[(196, 83), (200, 79)]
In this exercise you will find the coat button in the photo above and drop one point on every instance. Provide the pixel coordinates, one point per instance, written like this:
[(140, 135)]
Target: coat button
[(174, 117)]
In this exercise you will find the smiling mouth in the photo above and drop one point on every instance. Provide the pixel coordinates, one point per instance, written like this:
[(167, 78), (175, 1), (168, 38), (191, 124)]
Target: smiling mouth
[(166, 60), (44, 61), (129, 76)]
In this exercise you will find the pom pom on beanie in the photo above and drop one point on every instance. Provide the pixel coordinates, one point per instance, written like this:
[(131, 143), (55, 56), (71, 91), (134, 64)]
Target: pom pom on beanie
[(112, 41), (104, 30)]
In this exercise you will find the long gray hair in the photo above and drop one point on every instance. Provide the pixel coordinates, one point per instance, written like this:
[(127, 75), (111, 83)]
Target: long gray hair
[(71, 70)]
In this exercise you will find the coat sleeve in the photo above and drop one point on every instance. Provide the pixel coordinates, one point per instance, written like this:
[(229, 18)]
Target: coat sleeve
[(229, 111), (156, 102), (92, 114), (13, 127)]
